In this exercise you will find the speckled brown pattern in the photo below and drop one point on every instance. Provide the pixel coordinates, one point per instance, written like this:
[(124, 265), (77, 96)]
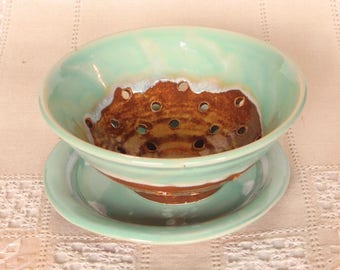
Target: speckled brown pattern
[(169, 120)]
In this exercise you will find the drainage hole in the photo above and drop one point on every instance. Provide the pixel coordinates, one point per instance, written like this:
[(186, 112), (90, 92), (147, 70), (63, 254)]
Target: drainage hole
[(242, 130), (115, 123), (199, 144), (156, 106), (183, 86), (126, 93), (239, 101), (174, 123), (214, 129), (203, 107), (142, 129), (121, 150), (88, 123), (151, 146)]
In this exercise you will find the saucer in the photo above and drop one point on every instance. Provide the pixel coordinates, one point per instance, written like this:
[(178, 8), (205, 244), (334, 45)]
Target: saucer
[(92, 201)]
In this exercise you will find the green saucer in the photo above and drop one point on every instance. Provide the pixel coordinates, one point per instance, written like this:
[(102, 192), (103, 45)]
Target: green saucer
[(90, 200)]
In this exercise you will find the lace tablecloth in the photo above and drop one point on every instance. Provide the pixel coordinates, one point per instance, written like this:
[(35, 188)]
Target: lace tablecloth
[(301, 232)]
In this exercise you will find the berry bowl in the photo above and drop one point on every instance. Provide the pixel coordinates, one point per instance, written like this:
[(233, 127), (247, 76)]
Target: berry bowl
[(173, 113)]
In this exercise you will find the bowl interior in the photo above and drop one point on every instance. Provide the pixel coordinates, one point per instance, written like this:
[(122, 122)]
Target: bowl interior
[(169, 120), (83, 79)]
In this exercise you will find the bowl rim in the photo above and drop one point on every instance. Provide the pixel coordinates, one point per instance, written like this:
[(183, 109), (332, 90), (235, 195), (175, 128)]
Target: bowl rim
[(91, 149)]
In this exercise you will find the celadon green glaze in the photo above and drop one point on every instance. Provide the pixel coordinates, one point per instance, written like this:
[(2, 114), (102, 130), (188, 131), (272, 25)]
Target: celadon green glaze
[(80, 81), (92, 201)]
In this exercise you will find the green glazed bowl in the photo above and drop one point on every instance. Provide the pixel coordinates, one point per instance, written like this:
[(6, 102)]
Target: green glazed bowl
[(81, 80)]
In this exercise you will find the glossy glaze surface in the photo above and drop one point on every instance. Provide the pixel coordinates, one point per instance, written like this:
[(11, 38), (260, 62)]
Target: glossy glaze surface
[(80, 81), (170, 120), (92, 201)]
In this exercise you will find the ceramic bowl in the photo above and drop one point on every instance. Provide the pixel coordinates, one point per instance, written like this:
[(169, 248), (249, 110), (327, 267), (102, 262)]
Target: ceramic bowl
[(84, 78)]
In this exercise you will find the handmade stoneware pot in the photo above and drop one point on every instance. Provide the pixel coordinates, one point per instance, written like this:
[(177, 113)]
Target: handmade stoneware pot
[(174, 112)]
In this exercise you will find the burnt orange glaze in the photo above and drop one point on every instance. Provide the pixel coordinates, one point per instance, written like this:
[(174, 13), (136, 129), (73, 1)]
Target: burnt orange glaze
[(169, 120), (176, 194)]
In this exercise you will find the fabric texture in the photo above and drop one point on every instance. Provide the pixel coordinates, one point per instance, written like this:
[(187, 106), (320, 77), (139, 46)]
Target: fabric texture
[(301, 232)]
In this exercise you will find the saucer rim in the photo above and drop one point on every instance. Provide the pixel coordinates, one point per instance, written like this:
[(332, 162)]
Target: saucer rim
[(76, 212)]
